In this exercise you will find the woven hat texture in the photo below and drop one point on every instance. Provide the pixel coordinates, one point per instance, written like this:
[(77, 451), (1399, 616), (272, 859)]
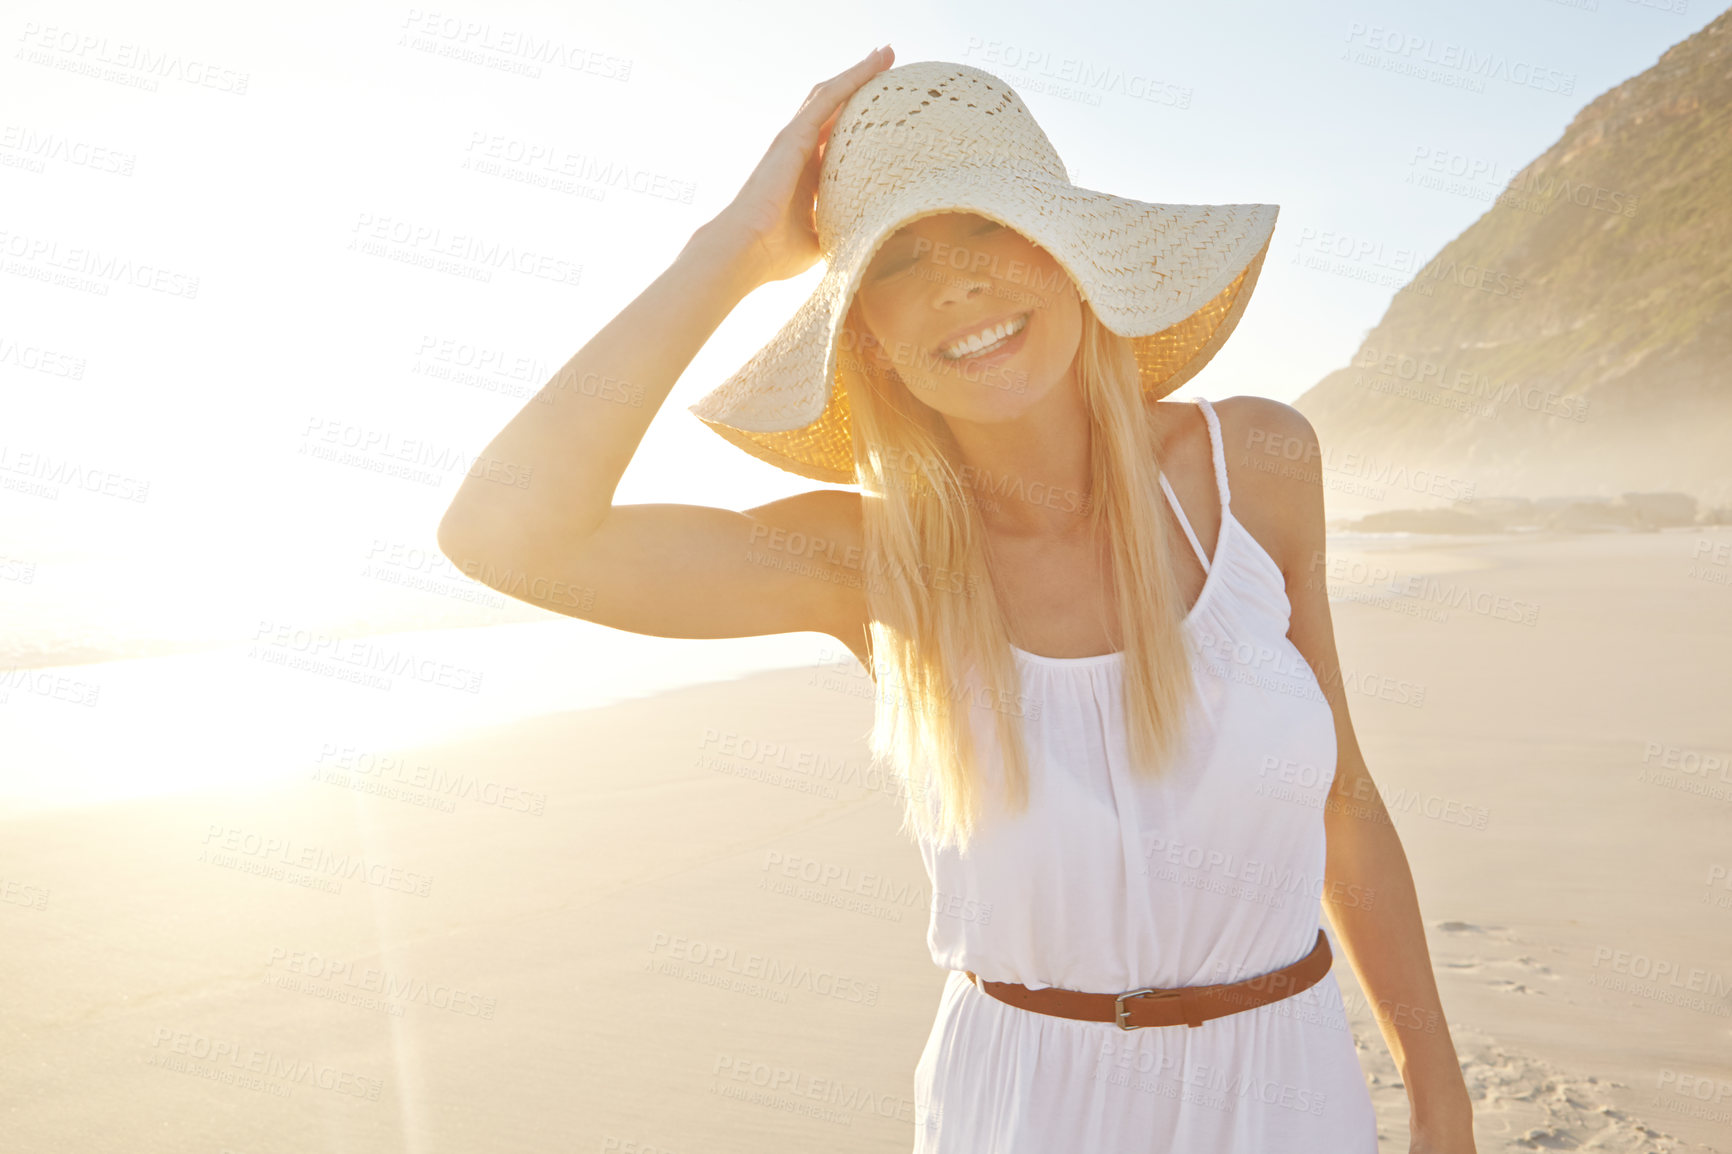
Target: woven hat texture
[(932, 137)]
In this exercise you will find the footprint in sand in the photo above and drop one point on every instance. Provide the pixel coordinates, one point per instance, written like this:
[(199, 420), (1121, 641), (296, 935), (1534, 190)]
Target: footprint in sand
[(1528, 970), (1520, 1103)]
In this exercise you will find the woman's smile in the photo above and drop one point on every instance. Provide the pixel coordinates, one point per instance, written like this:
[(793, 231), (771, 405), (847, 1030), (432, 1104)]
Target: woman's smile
[(990, 345), (986, 338)]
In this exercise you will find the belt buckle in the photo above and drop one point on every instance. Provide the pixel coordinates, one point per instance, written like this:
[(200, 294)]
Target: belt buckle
[(1145, 992)]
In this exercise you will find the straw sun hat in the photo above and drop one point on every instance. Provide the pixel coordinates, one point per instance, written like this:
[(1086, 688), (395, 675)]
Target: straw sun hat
[(933, 137)]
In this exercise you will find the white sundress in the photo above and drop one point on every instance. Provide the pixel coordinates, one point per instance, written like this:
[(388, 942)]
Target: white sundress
[(1111, 883)]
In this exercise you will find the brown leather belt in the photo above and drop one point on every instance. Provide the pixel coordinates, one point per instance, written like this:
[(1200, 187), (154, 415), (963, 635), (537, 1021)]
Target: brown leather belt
[(1192, 1005)]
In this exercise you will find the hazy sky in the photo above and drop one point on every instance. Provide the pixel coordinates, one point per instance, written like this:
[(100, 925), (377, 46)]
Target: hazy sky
[(274, 138)]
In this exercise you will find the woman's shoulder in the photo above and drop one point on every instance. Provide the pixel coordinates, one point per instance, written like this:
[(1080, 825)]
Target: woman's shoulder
[(1262, 418), (1275, 468)]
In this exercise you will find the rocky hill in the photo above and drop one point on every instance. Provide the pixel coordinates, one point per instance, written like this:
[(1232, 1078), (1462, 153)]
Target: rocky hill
[(1577, 338)]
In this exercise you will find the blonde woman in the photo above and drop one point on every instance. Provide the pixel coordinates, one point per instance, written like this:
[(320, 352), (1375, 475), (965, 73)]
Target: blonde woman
[(1107, 674)]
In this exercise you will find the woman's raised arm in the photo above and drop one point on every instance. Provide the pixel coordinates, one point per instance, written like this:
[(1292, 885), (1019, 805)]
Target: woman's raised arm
[(668, 570)]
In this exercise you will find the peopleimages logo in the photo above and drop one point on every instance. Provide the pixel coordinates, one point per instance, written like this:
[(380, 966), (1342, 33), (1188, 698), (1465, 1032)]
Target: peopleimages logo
[(233, 1060), (776, 972), (224, 844), (1662, 979), (1431, 376), (1072, 77), (369, 662), (1526, 188), (327, 976), (1413, 51)]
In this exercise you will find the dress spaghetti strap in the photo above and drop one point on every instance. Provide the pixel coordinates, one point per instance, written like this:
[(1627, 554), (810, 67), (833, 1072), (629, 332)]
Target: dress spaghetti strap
[(1218, 455), (1218, 451), (1185, 523)]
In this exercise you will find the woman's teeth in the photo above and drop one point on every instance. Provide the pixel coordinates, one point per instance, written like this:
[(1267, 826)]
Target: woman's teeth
[(986, 340)]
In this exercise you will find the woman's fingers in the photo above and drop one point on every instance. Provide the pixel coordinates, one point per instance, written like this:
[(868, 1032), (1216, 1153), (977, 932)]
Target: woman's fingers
[(777, 204), (858, 68), (826, 97)]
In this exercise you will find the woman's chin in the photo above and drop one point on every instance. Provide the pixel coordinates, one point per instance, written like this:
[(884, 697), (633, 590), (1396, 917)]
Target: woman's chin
[(985, 405), (1001, 395)]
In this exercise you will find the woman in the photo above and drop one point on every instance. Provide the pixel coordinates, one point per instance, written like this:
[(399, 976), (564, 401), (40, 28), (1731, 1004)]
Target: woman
[(1127, 804)]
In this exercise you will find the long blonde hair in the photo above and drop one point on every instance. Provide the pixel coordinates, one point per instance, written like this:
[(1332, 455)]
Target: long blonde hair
[(934, 610)]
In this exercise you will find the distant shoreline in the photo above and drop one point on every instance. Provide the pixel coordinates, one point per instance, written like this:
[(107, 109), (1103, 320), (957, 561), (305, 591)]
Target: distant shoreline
[(1628, 512)]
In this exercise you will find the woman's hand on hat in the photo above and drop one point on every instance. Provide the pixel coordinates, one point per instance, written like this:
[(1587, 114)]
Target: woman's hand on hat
[(772, 214)]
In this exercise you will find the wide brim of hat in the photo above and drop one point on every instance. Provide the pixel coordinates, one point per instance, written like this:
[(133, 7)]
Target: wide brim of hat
[(1174, 278)]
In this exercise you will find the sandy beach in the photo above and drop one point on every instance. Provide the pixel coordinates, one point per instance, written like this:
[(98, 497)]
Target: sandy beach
[(687, 923)]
